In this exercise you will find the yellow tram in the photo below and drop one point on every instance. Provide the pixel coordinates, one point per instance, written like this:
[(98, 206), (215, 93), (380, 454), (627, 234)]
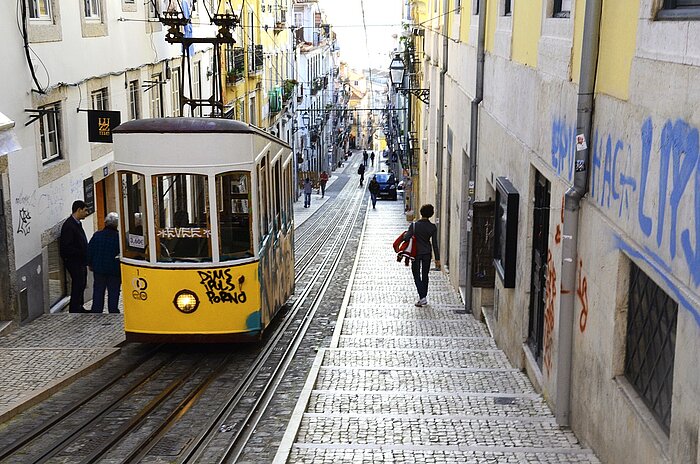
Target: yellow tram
[(207, 228)]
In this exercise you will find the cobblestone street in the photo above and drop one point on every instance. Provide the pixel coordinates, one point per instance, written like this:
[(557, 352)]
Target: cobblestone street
[(407, 384)]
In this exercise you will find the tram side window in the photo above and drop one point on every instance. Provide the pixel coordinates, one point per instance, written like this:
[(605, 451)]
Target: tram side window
[(278, 197), (134, 219), (262, 197), (290, 204), (183, 228), (233, 197)]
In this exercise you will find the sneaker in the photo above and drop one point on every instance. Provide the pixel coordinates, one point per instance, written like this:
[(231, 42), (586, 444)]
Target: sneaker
[(423, 301), (418, 303)]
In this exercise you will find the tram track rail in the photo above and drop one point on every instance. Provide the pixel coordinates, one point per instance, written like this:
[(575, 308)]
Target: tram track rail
[(243, 428), (57, 437)]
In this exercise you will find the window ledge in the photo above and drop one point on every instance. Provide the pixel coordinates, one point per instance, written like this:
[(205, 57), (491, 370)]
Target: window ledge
[(646, 419), (679, 14)]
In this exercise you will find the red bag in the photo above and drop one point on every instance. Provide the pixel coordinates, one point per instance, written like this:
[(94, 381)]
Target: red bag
[(405, 249)]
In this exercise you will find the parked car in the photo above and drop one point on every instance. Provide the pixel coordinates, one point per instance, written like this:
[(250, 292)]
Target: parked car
[(387, 185)]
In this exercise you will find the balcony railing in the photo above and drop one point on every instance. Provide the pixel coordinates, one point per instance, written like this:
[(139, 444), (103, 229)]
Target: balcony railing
[(235, 63), (280, 19), (259, 57), (255, 59)]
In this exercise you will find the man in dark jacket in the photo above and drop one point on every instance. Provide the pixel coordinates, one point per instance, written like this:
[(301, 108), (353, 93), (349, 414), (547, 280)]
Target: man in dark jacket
[(103, 259), (373, 191), (361, 172), (425, 232), (73, 247)]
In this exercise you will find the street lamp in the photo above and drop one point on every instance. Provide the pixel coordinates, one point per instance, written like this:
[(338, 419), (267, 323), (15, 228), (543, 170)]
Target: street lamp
[(397, 73), (305, 119)]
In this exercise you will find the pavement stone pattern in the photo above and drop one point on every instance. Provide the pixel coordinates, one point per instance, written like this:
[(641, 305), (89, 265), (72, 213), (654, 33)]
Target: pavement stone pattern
[(417, 385), (57, 347), (51, 349)]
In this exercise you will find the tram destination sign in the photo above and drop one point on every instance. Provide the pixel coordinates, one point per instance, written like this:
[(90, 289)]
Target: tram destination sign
[(100, 125)]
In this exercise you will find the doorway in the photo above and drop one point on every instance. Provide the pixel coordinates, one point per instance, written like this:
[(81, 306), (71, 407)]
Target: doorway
[(538, 283), (105, 201)]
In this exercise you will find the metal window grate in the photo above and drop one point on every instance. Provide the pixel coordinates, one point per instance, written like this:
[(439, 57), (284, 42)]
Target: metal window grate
[(651, 344)]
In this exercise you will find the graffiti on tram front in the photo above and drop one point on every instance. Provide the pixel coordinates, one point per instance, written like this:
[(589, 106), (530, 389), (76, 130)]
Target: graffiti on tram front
[(221, 287)]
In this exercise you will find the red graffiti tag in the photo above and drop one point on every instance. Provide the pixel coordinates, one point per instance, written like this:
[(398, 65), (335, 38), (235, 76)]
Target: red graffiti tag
[(557, 235), (582, 292), (550, 298)]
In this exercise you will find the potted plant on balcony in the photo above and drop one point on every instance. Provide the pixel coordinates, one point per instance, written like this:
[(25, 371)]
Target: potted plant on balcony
[(232, 76), (288, 88)]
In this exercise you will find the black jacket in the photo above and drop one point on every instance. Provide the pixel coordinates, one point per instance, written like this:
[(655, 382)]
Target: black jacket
[(374, 187), (73, 244), (425, 232)]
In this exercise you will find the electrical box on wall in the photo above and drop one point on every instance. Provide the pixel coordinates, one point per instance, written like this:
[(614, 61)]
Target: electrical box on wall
[(506, 231)]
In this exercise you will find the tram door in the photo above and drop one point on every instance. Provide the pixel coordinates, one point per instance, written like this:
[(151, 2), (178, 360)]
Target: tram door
[(105, 201), (538, 283)]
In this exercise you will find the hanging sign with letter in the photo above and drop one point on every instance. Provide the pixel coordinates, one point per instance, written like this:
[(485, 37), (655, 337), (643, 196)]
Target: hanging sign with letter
[(100, 125)]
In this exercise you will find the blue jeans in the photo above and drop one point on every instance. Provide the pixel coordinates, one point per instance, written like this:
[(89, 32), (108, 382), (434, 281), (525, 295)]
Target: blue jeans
[(112, 284), (307, 199), (421, 268), (374, 199)]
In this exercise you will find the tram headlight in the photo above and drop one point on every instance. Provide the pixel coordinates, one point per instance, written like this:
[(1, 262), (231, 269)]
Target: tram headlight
[(186, 301)]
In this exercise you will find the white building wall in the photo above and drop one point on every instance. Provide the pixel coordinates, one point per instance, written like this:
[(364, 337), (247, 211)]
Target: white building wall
[(69, 66), (637, 210), (627, 216)]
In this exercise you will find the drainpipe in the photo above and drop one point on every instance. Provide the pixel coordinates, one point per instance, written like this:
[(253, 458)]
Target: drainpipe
[(584, 122), (441, 119), (474, 148)]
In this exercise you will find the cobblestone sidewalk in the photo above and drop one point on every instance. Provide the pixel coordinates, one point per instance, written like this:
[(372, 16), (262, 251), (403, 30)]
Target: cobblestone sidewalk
[(51, 351), (424, 385)]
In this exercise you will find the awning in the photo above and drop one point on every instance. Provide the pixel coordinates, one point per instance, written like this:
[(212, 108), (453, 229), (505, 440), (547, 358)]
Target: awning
[(8, 138)]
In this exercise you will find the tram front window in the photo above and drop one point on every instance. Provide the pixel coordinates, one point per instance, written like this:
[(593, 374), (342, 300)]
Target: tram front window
[(183, 229), (134, 222), (233, 194)]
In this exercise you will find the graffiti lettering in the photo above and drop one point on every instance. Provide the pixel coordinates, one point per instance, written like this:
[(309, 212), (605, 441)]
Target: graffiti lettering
[(662, 174), (582, 292), (550, 298), (563, 147), (223, 296), (220, 286), (24, 222)]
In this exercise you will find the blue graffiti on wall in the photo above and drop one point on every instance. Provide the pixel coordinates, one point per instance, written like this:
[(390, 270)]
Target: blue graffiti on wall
[(614, 182), (563, 148)]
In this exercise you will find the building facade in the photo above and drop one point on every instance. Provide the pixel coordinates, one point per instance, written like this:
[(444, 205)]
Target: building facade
[(64, 72), (316, 68), (567, 201)]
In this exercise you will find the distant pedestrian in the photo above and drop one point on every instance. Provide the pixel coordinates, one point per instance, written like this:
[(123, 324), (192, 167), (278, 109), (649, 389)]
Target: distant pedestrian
[(425, 233), (73, 249), (371, 158), (361, 172), (373, 191), (323, 180), (307, 192), (364, 157), (103, 259)]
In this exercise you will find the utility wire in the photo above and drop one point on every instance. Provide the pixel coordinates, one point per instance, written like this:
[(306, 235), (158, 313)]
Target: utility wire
[(369, 65)]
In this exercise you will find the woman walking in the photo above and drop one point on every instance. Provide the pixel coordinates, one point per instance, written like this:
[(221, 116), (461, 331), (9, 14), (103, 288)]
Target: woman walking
[(425, 233)]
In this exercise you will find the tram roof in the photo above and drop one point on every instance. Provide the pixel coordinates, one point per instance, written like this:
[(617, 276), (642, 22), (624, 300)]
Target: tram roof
[(190, 125)]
